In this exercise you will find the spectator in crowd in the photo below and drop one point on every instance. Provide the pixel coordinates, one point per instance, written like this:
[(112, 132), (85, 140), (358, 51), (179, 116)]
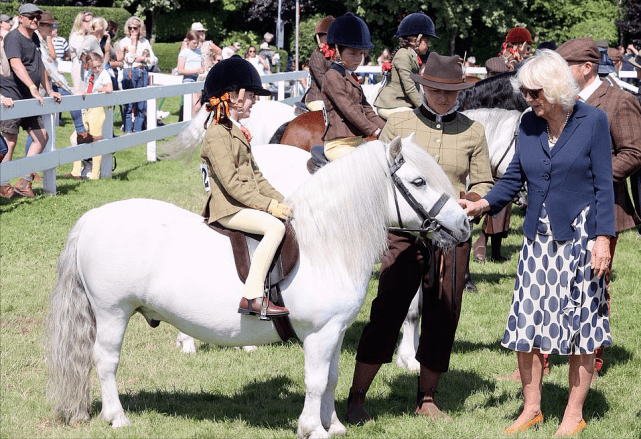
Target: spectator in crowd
[(79, 31), (256, 60), (98, 29), (624, 117), (21, 47), (5, 24), (206, 47), (267, 53), (230, 51), (61, 45), (136, 54), (191, 64), (385, 57), (49, 58), (97, 79), (495, 66)]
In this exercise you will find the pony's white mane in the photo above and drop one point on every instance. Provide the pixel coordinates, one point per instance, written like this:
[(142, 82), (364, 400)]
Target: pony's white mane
[(343, 212)]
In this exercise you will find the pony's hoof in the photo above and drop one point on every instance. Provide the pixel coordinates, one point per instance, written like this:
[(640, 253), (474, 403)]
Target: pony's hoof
[(410, 364), (186, 343), (319, 433), (337, 429), (120, 421)]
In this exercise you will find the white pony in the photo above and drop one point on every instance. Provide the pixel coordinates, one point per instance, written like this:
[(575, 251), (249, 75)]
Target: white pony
[(500, 127), (164, 262)]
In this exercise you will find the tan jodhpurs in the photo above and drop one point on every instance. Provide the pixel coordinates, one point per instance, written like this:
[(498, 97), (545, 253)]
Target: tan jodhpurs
[(273, 231)]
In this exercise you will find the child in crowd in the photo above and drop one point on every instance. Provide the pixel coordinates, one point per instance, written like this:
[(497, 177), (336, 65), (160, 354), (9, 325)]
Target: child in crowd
[(97, 79), (190, 65), (348, 116)]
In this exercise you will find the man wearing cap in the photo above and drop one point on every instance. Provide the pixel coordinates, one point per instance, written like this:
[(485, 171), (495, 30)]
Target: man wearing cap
[(230, 51), (624, 116), (21, 47)]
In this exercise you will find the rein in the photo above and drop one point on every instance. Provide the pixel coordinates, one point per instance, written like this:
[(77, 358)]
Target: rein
[(515, 137), (429, 223)]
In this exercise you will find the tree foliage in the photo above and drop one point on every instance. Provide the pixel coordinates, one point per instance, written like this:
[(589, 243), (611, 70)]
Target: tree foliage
[(630, 24), (562, 20)]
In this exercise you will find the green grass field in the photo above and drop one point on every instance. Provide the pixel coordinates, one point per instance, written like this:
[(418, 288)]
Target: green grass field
[(229, 393)]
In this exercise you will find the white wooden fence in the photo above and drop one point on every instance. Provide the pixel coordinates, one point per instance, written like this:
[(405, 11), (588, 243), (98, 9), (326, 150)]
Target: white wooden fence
[(51, 157)]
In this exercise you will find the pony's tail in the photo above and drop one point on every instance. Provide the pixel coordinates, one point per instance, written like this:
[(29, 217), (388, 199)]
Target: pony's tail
[(71, 334)]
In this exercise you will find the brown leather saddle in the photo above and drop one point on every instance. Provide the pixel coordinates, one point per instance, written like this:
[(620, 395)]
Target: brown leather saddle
[(243, 246)]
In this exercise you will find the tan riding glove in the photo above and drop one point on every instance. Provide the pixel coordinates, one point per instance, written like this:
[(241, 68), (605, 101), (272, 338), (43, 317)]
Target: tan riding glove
[(279, 210)]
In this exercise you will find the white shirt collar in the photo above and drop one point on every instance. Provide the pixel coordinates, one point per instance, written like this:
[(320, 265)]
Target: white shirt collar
[(585, 94)]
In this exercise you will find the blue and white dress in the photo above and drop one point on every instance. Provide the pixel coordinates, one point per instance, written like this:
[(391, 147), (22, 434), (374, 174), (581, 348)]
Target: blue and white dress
[(558, 306)]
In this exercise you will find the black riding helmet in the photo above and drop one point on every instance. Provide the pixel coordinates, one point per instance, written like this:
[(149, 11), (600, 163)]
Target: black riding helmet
[(231, 75), (417, 24), (350, 31)]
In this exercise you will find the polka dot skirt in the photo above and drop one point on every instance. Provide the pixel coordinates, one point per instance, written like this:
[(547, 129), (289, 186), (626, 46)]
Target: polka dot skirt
[(558, 306)]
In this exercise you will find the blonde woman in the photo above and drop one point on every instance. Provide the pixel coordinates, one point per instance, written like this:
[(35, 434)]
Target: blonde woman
[(79, 32), (137, 55), (98, 29)]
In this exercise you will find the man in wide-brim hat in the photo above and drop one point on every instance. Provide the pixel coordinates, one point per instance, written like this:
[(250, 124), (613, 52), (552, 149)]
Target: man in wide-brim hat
[(458, 144)]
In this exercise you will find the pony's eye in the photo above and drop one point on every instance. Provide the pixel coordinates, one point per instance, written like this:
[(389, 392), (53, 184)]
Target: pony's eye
[(418, 182)]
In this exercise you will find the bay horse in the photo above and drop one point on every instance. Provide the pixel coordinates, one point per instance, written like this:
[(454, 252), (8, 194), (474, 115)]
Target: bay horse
[(154, 258)]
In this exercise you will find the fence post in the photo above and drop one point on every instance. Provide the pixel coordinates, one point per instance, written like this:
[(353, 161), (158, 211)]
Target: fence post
[(49, 175), (188, 106), (151, 124), (107, 133)]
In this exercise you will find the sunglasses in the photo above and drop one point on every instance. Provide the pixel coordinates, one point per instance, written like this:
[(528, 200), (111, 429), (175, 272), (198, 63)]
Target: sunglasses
[(252, 51), (533, 94), (133, 28), (33, 16)]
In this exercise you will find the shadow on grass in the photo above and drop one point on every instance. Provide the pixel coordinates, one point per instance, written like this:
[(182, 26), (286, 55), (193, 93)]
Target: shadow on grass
[(266, 404), (612, 356)]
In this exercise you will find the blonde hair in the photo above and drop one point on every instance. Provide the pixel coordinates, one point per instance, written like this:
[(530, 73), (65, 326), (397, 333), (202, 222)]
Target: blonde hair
[(99, 23), (548, 71), (77, 23), (136, 21)]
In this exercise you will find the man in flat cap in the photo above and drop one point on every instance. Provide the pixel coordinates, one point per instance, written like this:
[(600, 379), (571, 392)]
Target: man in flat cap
[(22, 49), (624, 116)]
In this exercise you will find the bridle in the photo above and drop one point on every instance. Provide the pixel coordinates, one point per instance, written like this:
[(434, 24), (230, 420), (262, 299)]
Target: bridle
[(429, 223)]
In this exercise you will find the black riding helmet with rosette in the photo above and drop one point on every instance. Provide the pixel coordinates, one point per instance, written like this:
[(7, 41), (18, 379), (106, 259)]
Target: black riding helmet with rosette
[(231, 75), (350, 31)]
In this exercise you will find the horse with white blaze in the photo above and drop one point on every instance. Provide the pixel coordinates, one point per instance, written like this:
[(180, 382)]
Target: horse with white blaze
[(154, 258)]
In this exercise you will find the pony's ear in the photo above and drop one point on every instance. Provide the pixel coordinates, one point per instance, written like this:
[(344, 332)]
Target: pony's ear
[(395, 148)]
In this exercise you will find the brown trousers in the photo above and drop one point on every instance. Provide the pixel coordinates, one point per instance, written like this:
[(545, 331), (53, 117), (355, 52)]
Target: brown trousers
[(405, 266)]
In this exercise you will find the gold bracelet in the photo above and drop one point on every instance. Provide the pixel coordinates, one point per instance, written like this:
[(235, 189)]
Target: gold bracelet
[(32, 86)]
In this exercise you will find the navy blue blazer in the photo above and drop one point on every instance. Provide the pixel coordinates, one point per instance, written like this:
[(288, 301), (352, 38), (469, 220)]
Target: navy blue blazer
[(575, 173)]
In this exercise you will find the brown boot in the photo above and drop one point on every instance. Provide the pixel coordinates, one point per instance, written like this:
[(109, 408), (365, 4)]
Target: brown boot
[(253, 307), (6, 191), (84, 137), (426, 406), (356, 413), (36, 177), (23, 187)]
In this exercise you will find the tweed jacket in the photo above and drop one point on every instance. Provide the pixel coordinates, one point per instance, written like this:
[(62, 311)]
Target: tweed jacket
[(235, 180), (318, 66), (401, 90), (575, 173), (624, 115), (347, 111), (457, 143)]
